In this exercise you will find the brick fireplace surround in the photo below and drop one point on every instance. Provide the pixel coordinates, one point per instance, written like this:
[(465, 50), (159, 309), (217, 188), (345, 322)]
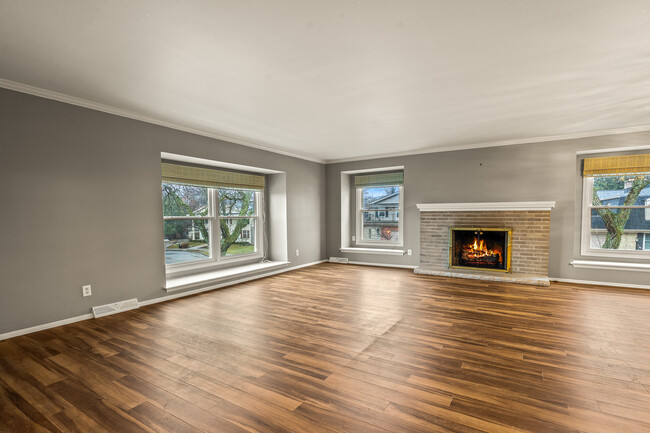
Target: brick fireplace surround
[(530, 223)]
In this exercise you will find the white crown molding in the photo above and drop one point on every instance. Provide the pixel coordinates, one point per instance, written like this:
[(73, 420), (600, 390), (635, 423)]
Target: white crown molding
[(611, 149), (469, 146), (68, 99), (61, 97), (494, 206)]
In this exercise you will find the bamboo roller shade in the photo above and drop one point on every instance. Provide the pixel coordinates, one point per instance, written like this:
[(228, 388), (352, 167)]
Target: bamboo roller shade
[(207, 177), (379, 179), (613, 165)]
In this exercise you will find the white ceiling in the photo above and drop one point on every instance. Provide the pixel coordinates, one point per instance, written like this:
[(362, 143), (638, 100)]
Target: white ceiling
[(332, 80)]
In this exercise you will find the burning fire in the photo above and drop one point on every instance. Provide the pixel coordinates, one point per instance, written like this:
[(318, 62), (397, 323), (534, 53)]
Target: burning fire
[(479, 250)]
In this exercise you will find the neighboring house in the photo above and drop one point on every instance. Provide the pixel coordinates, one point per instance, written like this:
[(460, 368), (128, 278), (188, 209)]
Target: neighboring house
[(384, 221), (246, 232), (194, 234), (636, 235)]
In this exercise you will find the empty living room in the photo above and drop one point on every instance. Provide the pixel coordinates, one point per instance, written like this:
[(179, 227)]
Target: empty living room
[(326, 216)]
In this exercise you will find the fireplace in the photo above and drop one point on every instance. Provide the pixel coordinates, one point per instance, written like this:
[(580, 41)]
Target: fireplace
[(479, 248)]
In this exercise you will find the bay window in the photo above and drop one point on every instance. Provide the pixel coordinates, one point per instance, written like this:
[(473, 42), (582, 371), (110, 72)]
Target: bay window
[(210, 216)]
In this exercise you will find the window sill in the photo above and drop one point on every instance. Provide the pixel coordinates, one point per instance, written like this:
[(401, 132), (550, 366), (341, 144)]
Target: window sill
[(614, 266), (620, 254), (384, 251), (208, 265), (210, 277)]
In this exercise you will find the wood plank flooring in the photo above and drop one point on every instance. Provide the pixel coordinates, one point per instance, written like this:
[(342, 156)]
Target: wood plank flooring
[(333, 348)]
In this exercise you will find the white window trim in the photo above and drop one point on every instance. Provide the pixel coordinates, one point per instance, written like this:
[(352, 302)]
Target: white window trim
[(359, 222), (585, 243), (216, 260)]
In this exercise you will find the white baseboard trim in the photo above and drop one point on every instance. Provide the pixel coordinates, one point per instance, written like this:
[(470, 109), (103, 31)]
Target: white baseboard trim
[(600, 283), (383, 265), (44, 326)]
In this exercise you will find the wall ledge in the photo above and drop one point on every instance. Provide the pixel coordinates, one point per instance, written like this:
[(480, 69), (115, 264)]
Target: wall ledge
[(614, 266), (486, 206), (372, 251), (211, 277)]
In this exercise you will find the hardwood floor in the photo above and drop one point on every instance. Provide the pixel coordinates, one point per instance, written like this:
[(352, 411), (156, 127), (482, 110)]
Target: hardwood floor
[(334, 348)]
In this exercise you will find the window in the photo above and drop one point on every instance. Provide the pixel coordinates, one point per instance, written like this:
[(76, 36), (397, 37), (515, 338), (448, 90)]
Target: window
[(186, 223), (240, 206), (379, 207), (646, 243), (616, 207), (205, 225)]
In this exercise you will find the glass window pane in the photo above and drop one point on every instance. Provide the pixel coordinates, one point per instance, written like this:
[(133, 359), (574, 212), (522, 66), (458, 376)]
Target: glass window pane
[(186, 241), (620, 228), (378, 226), (237, 236), (236, 202), (614, 190), (384, 197), (184, 200), (647, 241), (611, 231)]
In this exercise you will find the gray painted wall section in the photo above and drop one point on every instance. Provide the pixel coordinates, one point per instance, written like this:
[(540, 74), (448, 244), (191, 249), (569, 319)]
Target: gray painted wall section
[(81, 204), (276, 217), (527, 172)]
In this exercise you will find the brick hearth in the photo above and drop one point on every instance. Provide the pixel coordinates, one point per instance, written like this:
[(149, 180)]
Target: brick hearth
[(530, 242)]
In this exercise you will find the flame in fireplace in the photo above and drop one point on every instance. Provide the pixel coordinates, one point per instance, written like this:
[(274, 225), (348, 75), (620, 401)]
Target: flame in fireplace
[(479, 250)]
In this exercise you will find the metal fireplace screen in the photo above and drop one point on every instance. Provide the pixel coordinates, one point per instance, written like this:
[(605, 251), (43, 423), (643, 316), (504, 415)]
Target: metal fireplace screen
[(478, 248)]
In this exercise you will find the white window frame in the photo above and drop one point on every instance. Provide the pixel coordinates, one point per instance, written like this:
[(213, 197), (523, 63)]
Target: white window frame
[(359, 220), (585, 243), (213, 218)]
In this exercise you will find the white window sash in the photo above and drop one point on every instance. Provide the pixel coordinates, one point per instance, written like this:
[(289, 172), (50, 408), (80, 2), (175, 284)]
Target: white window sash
[(214, 232), (359, 220), (585, 241)]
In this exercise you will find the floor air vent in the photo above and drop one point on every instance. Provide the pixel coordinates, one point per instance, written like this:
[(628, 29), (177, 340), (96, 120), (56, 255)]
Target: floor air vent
[(338, 260), (117, 307)]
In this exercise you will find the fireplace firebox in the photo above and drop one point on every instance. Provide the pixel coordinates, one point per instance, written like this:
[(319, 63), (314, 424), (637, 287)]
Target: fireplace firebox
[(479, 248)]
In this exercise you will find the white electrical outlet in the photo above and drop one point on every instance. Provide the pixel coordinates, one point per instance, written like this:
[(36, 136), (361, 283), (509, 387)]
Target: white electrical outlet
[(354, 238), (297, 252), (86, 290), (409, 252)]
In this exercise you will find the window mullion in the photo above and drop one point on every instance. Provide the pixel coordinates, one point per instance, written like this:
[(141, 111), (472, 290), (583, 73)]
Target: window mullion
[(215, 233)]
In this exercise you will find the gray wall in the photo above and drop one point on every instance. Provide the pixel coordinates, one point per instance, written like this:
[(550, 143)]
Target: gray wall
[(527, 172), (81, 204)]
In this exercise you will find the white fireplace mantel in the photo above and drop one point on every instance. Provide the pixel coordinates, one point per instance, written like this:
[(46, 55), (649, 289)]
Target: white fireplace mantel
[(490, 206)]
